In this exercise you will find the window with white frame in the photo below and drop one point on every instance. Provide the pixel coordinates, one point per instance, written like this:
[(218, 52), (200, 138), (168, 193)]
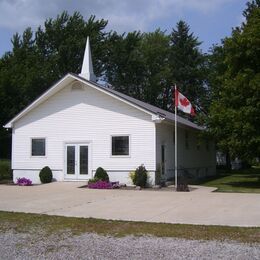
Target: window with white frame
[(38, 147), (120, 145)]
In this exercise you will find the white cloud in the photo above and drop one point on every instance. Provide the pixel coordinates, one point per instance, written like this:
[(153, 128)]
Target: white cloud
[(122, 15)]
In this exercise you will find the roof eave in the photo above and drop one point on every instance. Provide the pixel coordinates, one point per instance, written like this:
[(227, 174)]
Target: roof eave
[(194, 127)]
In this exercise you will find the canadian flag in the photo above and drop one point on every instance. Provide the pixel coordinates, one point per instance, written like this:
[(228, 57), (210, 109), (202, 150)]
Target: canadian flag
[(182, 103)]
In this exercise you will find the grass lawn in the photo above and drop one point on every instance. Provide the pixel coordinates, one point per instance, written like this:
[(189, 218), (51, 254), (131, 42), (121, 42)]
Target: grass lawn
[(48, 225), (247, 181)]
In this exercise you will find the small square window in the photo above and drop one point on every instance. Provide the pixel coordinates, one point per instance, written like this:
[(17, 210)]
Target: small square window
[(38, 147), (120, 145)]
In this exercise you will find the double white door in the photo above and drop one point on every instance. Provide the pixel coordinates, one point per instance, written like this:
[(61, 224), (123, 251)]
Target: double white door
[(77, 166)]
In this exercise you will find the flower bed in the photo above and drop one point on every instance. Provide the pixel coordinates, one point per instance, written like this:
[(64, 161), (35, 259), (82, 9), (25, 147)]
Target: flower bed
[(103, 185), (24, 182)]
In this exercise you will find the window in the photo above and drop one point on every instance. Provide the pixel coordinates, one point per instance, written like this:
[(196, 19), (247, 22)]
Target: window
[(120, 145), (38, 147)]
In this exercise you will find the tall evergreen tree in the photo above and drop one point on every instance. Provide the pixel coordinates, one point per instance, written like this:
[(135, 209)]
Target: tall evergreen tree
[(187, 64), (154, 51)]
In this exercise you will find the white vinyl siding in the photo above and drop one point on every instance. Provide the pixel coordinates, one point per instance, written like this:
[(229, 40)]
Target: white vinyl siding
[(84, 116), (189, 156), (164, 137)]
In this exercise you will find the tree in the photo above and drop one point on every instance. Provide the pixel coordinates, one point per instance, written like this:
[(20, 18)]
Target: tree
[(235, 110), (61, 43), (142, 65), (154, 49), (138, 64), (187, 64), (124, 67), (41, 58)]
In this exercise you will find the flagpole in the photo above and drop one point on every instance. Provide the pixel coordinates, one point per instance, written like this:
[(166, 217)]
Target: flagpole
[(175, 134)]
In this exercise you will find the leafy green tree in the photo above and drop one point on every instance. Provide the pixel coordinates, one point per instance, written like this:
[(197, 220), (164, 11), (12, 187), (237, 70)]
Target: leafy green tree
[(61, 44), (124, 67), (138, 64), (235, 110), (142, 65), (41, 58)]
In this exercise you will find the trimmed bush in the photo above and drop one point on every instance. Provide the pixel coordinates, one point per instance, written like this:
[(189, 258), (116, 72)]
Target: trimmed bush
[(132, 176), (140, 176), (101, 174), (45, 175)]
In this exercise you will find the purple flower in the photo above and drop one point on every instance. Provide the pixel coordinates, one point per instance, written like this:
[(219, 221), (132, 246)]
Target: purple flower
[(103, 185), (24, 182)]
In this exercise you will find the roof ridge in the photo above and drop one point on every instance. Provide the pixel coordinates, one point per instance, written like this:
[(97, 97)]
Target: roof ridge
[(151, 108)]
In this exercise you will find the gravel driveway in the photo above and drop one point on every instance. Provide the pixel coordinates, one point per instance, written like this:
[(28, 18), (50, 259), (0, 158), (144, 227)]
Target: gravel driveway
[(92, 246)]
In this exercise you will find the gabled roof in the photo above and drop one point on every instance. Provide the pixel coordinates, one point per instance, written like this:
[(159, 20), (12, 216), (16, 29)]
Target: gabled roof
[(150, 109), (153, 109)]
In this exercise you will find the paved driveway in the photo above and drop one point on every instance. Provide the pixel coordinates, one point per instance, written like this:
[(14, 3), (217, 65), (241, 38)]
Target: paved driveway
[(197, 207)]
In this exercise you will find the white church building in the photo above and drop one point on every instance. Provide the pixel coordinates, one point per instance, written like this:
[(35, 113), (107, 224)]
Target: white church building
[(78, 125)]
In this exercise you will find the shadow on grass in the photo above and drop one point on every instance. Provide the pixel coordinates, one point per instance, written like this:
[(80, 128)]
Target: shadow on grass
[(249, 172), (243, 177), (208, 179), (244, 184)]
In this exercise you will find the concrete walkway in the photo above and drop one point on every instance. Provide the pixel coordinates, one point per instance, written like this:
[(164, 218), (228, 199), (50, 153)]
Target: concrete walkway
[(197, 207)]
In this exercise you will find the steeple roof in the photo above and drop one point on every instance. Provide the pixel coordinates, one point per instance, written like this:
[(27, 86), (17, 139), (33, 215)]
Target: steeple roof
[(87, 66)]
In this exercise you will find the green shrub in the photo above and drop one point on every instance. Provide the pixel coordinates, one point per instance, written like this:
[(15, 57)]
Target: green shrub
[(132, 176), (101, 174), (45, 175), (5, 170), (140, 176)]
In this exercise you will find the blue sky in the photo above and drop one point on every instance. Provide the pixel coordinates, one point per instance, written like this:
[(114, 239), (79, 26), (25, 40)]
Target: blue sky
[(210, 20)]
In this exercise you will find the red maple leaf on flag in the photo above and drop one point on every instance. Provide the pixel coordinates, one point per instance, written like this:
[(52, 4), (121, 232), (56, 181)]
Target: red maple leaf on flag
[(184, 102)]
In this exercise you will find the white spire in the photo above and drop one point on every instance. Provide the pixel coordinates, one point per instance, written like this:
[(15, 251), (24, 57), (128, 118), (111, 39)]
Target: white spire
[(87, 67)]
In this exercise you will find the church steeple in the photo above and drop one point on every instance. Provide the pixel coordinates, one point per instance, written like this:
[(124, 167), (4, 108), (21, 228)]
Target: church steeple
[(87, 67)]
